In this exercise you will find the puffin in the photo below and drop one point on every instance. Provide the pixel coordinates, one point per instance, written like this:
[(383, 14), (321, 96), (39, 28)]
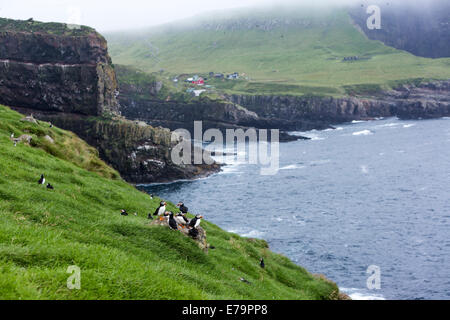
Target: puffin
[(161, 210), (172, 222), (123, 213), (50, 187), (181, 219), (194, 223), (182, 207), (41, 180), (12, 136), (261, 263)]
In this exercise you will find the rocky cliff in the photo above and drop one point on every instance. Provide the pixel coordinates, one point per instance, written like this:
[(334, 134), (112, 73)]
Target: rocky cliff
[(64, 75), (414, 100), (419, 27), (141, 153), (409, 101), (55, 68)]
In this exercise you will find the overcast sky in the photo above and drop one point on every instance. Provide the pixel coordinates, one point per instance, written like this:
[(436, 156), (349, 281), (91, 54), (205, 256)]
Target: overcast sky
[(108, 15)]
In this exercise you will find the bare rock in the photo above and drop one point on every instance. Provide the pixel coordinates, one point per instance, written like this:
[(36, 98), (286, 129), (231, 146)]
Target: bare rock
[(49, 139), (29, 119), (200, 237)]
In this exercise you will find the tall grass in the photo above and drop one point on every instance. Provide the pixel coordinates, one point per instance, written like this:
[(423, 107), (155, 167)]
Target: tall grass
[(42, 232)]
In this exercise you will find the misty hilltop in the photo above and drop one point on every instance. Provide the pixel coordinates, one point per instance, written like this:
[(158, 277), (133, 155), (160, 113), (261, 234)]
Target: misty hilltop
[(281, 46)]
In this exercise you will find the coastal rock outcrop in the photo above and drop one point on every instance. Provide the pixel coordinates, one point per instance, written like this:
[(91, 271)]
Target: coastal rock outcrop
[(409, 101), (200, 239)]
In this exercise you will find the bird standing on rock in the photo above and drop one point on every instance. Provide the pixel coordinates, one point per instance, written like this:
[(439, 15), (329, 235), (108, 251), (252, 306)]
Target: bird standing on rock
[(161, 210), (172, 222), (182, 207), (181, 219), (195, 223)]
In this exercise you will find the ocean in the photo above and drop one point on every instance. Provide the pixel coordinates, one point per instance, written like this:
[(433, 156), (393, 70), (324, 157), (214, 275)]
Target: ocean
[(369, 193)]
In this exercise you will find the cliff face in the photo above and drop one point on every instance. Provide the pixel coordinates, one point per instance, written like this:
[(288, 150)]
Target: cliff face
[(427, 100), (414, 26), (65, 76), (140, 153), (288, 113), (66, 71)]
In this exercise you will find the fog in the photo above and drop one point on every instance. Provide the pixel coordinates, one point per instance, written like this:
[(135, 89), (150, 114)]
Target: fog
[(111, 15)]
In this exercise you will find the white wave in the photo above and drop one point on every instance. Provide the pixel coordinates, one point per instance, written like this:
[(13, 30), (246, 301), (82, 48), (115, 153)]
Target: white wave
[(364, 169), (358, 121), (391, 124), (359, 294), (292, 167), (253, 234), (250, 234), (409, 125), (363, 133), (230, 169), (339, 128), (319, 162)]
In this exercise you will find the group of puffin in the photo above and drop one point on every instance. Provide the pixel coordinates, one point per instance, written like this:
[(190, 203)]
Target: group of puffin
[(177, 220)]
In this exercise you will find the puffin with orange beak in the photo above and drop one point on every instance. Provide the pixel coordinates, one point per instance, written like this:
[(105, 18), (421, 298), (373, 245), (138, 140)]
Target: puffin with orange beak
[(195, 223), (172, 222), (182, 207), (161, 210), (182, 220)]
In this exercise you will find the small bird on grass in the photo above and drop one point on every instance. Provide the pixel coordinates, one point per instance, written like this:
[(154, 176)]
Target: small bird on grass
[(42, 180), (245, 281), (123, 213), (261, 263), (50, 187)]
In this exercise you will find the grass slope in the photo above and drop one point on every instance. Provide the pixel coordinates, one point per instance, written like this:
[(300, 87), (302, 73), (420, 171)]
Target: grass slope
[(43, 232), (295, 58)]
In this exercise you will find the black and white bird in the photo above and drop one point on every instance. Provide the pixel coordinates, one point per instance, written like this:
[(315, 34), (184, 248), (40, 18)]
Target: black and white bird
[(41, 180), (172, 222), (123, 213), (50, 187), (194, 223), (261, 263), (182, 207), (12, 135), (245, 281), (161, 210), (181, 219), (51, 125)]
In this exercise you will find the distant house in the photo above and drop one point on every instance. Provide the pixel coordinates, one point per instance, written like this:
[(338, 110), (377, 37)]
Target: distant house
[(199, 81), (233, 76)]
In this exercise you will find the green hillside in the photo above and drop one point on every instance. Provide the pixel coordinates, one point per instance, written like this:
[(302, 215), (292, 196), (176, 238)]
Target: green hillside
[(291, 50), (42, 232)]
